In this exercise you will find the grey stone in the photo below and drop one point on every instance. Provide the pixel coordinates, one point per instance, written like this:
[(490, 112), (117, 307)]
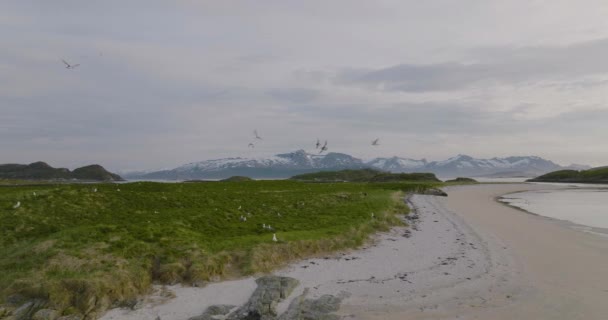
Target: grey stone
[(26, 310), (263, 302), (313, 309), (434, 192), (71, 317), (213, 312), (45, 314)]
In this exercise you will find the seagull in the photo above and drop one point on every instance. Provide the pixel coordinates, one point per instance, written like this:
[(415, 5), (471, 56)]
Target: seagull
[(274, 237), (375, 142), (94, 189), (318, 144), (251, 145), (34, 193), (324, 147), (264, 226), (70, 66), (239, 207), (257, 136), (373, 215), (17, 205)]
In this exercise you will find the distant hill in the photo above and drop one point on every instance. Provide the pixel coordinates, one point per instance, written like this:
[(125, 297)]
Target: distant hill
[(300, 162), (237, 179), (42, 171), (364, 175), (595, 175), (462, 180)]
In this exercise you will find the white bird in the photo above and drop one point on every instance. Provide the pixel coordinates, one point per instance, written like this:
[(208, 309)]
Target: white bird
[(17, 205), (324, 147), (117, 189), (263, 226), (244, 219), (373, 215), (278, 214), (70, 66), (274, 237), (257, 136), (239, 207), (94, 189), (376, 142), (34, 193)]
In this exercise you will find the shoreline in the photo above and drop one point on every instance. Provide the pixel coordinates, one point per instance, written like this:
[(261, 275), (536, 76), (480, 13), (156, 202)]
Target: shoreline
[(451, 264), (599, 231)]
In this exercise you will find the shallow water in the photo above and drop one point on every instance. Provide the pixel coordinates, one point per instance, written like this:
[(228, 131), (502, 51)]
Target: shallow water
[(581, 205)]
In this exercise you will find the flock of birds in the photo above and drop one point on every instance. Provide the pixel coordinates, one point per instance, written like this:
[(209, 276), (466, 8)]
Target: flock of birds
[(321, 147), (257, 137)]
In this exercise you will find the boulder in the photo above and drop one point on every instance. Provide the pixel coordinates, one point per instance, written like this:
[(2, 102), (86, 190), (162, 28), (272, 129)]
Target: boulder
[(45, 314), (213, 312), (313, 309), (263, 302)]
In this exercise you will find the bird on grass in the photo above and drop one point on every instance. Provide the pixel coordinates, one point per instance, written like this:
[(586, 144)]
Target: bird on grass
[(274, 237), (376, 142), (323, 148), (34, 193), (257, 136), (70, 66), (94, 189), (17, 205)]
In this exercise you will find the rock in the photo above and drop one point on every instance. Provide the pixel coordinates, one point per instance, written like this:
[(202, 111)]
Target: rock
[(26, 310), (71, 317), (309, 309), (45, 314), (213, 312), (434, 192), (263, 302)]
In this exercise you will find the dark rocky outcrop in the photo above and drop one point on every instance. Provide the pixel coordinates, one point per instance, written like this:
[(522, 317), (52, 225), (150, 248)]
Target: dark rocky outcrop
[(264, 300)]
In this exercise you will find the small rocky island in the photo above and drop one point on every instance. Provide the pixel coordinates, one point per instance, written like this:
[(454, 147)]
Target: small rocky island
[(42, 171), (595, 175)]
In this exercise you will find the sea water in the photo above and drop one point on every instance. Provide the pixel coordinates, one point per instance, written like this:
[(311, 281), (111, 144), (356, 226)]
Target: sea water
[(584, 205)]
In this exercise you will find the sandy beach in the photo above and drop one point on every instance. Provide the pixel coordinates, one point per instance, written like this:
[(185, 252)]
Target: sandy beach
[(463, 257)]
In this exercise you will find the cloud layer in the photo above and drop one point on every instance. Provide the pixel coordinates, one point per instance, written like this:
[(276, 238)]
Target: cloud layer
[(161, 84)]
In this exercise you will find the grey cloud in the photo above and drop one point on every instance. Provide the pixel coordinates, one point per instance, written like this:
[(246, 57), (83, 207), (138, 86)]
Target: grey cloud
[(294, 95), (493, 66)]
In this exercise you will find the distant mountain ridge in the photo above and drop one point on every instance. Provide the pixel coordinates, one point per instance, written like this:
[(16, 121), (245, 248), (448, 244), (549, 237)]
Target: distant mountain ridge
[(299, 162), (42, 171)]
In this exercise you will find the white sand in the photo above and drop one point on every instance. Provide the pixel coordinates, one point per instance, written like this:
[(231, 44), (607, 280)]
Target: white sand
[(484, 260)]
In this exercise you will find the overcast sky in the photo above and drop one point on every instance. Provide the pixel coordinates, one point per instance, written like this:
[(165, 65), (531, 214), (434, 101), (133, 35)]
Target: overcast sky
[(163, 83)]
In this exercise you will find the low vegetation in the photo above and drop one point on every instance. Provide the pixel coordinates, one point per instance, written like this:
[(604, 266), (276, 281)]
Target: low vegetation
[(365, 175), (237, 179), (596, 175), (85, 247), (461, 180), (41, 171)]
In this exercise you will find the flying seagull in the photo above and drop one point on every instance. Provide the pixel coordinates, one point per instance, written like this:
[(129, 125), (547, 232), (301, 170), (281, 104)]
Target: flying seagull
[(251, 145), (376, 142), (324, 147), (318, 144), (257, 136), (70, 66)]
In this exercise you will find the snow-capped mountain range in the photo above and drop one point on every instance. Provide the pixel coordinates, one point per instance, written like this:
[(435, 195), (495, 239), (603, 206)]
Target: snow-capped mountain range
[(288, 164)]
